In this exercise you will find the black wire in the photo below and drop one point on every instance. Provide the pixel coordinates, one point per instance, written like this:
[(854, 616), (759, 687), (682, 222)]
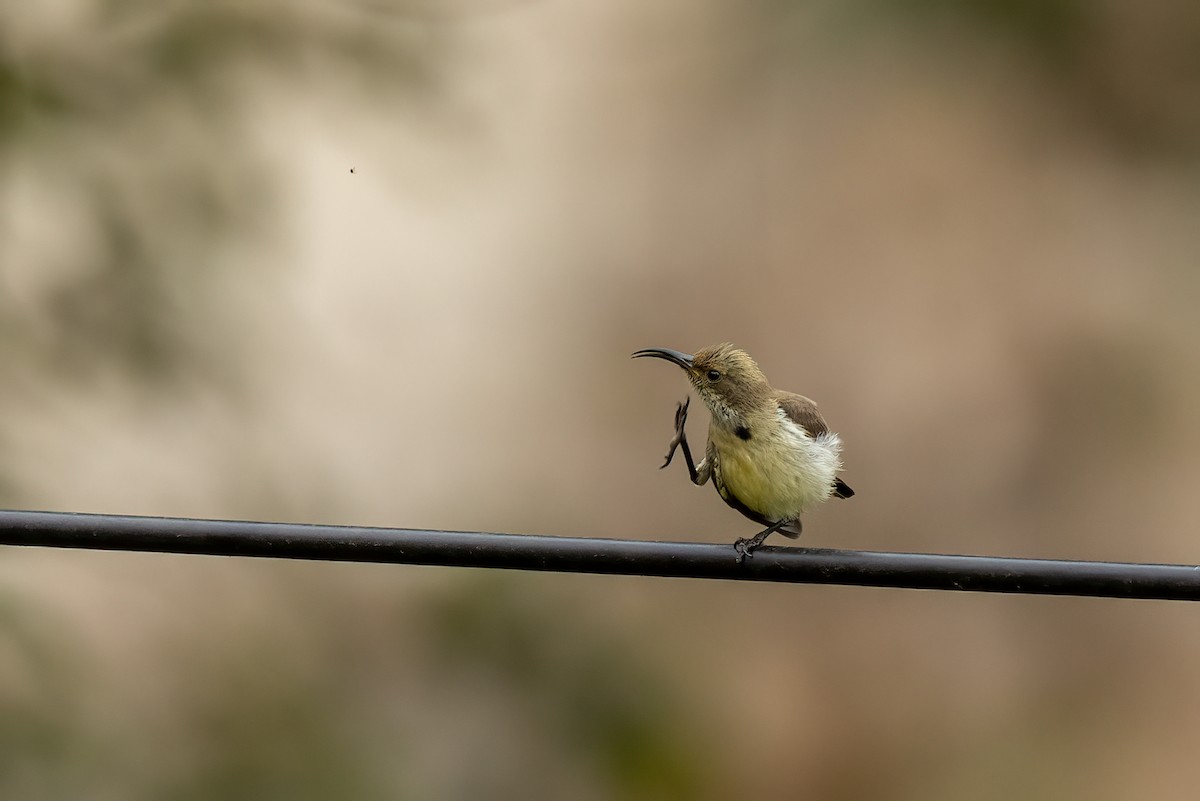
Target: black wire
[(579, 555)]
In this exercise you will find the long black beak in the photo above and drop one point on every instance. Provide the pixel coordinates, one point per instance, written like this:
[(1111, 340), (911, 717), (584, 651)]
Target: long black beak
[(684, 360)]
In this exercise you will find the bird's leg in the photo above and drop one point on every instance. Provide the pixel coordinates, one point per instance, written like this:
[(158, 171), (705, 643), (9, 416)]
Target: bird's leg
[(680, 441), (745, 547)]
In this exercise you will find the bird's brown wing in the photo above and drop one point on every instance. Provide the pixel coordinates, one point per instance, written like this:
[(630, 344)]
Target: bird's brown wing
[(803, 412)]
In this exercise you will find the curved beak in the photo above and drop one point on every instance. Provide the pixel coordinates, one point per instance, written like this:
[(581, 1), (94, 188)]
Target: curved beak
[(684, 360)]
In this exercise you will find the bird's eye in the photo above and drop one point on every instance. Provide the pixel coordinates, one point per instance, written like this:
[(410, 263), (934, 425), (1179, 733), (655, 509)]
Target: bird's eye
[(714, 375)]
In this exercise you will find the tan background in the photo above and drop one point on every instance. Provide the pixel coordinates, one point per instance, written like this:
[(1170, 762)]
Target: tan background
[(968, 230)]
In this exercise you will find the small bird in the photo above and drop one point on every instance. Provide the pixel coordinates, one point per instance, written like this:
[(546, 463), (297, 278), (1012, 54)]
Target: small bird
[(770, 454)]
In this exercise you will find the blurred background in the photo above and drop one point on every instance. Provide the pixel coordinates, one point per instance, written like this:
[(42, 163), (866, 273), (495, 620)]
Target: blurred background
[(383, 263)]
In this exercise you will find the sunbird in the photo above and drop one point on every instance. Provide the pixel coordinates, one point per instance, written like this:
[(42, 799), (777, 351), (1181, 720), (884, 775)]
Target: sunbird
[(770, 454)]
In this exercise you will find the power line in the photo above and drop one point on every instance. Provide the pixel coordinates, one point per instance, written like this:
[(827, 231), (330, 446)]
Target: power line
[(607, 556)]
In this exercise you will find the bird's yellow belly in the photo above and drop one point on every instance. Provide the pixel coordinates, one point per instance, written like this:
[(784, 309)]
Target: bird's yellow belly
[(779, 477)]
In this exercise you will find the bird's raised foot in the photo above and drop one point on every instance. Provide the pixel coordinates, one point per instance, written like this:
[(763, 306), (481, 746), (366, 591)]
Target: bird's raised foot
[(681, 410)]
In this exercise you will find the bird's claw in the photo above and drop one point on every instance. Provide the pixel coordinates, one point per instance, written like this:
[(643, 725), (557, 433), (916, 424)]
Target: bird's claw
[(743, 549), (681, 410)]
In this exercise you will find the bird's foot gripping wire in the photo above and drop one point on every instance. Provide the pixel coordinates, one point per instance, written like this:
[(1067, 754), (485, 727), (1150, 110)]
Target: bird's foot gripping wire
[(741, 550), (680, 438), (744, 548)]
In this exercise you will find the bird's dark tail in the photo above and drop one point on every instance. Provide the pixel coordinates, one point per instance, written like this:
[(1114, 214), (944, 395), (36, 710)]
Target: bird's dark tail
[(842, 489)]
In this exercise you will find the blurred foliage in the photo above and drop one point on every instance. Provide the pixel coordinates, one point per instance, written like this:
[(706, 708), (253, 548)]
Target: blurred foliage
[(270, 733), (1052, 28), (249, 713), (1130, 71), (587, 689), (127, 121), (127, 130), (39, 711), (249, 733)]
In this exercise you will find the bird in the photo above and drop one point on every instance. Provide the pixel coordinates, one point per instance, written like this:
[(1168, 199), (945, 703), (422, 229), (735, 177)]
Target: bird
[(770, 454)]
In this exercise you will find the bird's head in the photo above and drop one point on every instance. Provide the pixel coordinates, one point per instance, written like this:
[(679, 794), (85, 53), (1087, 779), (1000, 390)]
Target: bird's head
[(725, 377)]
